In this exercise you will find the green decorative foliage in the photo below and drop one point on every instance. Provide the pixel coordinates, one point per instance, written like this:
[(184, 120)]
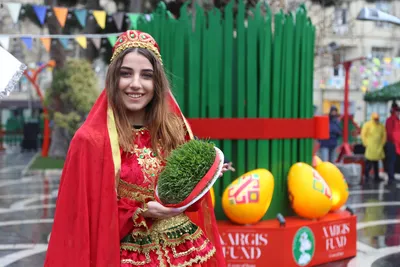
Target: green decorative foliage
[(73, 91), (184, 169)]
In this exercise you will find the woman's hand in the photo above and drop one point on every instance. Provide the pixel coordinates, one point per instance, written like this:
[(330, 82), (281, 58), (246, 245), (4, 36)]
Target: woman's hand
[(157, 211), (227, 167)]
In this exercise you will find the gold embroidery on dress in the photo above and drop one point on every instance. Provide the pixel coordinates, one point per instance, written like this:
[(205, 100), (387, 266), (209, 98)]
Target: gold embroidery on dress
[(134, 187), (136, 263), (187, 252), (136, 216), (150, 163), (160, 258), (163, 225), (135, 192), (197, 259)]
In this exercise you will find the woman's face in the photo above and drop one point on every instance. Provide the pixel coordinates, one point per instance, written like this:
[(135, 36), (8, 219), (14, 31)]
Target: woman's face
[(136, 83)]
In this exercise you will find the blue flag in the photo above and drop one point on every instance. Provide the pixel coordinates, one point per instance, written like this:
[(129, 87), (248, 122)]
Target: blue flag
[(81, 14), (64, 42), (28, 42), (40, 12)]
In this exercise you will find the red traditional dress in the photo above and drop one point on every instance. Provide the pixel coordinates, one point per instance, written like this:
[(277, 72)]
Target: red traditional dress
[(176, 241), (98, 220)]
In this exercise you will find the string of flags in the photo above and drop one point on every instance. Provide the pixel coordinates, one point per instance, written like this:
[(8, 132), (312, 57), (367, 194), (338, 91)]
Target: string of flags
[(64, 13), (64, 39), (373, 73)]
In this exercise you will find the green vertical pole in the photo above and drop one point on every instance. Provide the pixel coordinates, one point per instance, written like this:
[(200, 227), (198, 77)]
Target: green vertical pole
[(264, 147), (227, 83), (179, 59), (309, 87), (276, 204), (287, 99), (241, 82), (297, 76), (214, 81), (195, 65), (265, 33), (205, 47), (251, 86), (303, 84)]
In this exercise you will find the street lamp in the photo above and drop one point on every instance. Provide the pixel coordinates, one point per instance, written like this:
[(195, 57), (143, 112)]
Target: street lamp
[(372, 14)]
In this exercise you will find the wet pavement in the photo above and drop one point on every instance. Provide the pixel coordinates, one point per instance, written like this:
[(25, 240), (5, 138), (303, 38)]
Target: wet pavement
[(27, 204)]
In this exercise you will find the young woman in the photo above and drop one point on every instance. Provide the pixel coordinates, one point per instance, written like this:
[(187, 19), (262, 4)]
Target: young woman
[(106, 215)]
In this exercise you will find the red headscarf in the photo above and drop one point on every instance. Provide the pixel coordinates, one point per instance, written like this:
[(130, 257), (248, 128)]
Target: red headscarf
[(86, 231)]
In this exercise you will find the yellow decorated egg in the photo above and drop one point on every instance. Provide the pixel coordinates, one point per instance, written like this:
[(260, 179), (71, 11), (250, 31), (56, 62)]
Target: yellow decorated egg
[(309, 194), (316, 161), (247, 199), (212, 193), (336, 181)]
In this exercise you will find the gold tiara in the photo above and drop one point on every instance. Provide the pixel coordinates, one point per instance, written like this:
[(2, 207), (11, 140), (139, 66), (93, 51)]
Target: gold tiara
[(135, 39)]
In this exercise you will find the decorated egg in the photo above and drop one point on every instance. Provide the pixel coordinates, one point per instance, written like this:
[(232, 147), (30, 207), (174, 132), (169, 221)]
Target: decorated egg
[(212, 193), (309, 194), (316, 161), (247, 199), (337, 183)]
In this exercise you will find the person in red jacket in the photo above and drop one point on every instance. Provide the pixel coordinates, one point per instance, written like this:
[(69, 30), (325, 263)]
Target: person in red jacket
[(106, 213), (393, 140)]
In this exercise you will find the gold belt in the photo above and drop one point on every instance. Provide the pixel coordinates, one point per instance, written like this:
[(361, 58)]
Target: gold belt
[(165, 225)]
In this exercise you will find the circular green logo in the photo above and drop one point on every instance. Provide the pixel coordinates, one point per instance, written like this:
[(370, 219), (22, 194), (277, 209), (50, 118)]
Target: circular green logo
[(303, 246)]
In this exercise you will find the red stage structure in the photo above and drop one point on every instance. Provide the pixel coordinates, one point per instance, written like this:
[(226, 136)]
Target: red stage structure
[(33, 79)]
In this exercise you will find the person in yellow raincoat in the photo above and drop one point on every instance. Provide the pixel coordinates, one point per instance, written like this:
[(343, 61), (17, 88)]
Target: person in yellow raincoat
[(373, 135)]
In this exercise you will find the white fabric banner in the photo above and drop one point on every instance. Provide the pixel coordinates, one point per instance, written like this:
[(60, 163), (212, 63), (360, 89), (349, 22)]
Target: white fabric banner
[(11, 71)]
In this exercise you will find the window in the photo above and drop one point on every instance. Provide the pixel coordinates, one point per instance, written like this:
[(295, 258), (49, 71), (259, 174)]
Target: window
[(381, 52), (340, 21), (340, 16), (338, 57)]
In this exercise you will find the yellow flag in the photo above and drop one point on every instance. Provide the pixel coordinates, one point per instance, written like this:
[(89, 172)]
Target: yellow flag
[(100, 17), (81, 40)]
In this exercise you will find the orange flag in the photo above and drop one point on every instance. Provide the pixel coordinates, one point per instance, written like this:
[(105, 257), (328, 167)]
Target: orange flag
[(46, 43), (61, 14)]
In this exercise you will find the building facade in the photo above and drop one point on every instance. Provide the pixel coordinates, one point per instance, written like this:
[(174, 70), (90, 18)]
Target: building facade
[(340, 37)]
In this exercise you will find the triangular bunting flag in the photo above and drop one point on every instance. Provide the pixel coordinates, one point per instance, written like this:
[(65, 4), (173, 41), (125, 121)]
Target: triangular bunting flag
[(46, 43), (81, 40), (64, 42), (119, 19), (133, 18), (80, 15), (28, 42), (100, 17), (40, 12), (61, 14), (5, 42), (112, 40), (97, 43), (14, 9)]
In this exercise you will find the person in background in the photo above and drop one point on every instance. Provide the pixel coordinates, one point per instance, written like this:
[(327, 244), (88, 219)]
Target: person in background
[(393, 140), (328, 146), (373, 137)]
